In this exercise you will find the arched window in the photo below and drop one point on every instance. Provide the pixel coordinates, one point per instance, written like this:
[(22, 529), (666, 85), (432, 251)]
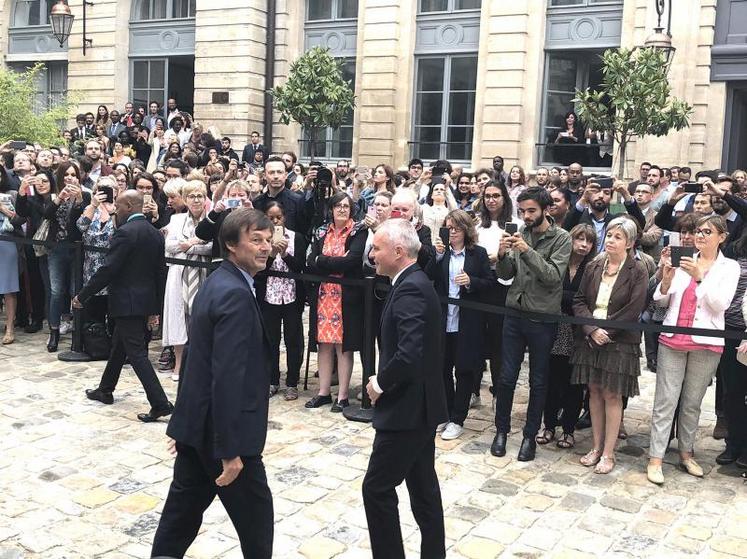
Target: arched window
[(163, 9), (31, 12)]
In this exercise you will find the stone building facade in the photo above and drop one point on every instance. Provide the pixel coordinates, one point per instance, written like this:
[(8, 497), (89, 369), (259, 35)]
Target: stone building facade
[(458, 79)]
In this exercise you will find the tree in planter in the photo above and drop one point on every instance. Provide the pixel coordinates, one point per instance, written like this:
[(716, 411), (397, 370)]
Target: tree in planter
[(634, 99), (21, 117), (315, 95)]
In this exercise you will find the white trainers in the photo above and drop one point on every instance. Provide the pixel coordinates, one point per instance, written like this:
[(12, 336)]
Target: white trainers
[(441, 426), (452, 431), (475, 401), (66, 326)]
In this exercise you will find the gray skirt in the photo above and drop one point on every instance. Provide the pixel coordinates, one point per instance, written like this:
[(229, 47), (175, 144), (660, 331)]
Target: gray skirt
[(615, 367), (8, 268)]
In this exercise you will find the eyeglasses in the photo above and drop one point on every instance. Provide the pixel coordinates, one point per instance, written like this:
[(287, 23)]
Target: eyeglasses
[(703, 232), (493, 196), (195, 197)]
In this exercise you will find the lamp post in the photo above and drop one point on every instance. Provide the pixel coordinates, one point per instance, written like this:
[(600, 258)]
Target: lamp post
[(62, 22), (662, 39)]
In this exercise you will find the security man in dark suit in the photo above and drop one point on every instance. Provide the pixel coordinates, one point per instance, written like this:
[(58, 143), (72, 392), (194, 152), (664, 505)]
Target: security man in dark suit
[(409, 399), (219, 426), (132, 273)]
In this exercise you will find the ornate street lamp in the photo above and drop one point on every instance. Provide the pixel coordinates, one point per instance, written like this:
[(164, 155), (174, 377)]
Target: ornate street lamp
[(662, 39), (62, 22)]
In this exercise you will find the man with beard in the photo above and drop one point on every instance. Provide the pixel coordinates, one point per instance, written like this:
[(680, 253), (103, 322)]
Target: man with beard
[(226, 150), (500, 174), (594, 208), (293, 204), (536, 259), (342, 170), (132, 272), (542, 177), (643, 172), (93, 151)]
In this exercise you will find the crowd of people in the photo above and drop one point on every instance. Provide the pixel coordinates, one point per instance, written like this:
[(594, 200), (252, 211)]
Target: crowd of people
[(667, 248)]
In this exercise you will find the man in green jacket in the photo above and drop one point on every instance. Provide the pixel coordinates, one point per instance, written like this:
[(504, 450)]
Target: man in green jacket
[(536, 258)]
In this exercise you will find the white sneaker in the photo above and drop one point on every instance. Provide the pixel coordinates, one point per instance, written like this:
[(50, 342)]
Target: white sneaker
[(452, 431), (175, 377), (475, 401), (66, 326), (441, 426)]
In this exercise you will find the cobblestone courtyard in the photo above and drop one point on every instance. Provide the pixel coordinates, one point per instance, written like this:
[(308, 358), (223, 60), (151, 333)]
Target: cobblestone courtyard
[(79, 479)]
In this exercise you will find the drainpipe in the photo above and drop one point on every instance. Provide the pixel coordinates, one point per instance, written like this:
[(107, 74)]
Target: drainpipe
[(269, 72)]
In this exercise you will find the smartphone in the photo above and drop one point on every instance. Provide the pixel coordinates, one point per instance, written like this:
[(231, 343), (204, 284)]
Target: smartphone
[(395, 214), (232, 203), (511, 228), (665, 241), (147, 199), (371, 212), (17, 145), (443, 233), (674, 239), (678, 252), (693, 187), (603, 182), (109, 191), (278, 234)]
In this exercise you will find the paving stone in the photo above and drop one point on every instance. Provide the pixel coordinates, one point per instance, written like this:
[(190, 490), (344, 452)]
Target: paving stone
[(137, 503), (731, 546), (577, 502), (144, 525), (126, 485), (321, 548), (95, 497), (479, 548), (500, 487), (624, 504), (534, 502)]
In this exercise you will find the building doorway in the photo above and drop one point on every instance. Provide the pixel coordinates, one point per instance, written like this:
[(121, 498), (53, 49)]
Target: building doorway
[(734, 155), (158, 79)]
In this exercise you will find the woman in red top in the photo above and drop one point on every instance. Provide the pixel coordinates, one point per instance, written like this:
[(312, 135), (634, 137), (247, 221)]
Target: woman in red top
[(336, 312)]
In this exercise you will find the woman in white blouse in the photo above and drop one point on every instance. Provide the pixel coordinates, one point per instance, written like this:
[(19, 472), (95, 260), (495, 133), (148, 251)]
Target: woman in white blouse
[(439, 202), (183, 282)]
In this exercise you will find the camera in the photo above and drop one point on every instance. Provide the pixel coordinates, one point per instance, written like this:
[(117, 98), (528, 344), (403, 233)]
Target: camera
[(323, 177), (233, 203)]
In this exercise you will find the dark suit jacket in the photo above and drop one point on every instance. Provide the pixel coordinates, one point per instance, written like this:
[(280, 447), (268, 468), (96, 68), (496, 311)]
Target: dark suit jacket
[(247, 155), (132, 270), (294, 207), (224, 393), (627, 302), (410, 357), (119, 128), (471, 322)]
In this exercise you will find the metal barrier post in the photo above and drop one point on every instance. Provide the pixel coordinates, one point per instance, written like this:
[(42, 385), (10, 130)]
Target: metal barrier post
[(364, 412), (76, 353)]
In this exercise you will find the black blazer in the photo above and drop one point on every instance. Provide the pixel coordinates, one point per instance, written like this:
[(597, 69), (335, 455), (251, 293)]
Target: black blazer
[(471, 322), (224, 391), (247, 155), (132, 270), (295, 263), (410, 357), (294, 208), (575, 217), (350, 266), (209, 229)]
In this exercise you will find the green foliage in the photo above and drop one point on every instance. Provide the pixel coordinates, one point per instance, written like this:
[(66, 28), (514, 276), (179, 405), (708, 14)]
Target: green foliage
[(315, 95), (20, 116), (634, 99)]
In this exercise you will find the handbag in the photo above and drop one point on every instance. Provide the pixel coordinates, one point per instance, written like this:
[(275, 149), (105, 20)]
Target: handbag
[(41, 235), (96, 341)]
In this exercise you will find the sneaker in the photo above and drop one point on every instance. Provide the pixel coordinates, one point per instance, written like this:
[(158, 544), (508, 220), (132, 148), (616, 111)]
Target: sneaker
[(175, 377), (274, 388), (66, 326), (291, 393), (452, 431), (475, 401), (441, 426)]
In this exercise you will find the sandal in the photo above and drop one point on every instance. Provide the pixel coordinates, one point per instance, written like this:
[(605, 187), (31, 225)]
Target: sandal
[(566, 441), (622, 434), (548, 435), (605, 465), (591, 457)]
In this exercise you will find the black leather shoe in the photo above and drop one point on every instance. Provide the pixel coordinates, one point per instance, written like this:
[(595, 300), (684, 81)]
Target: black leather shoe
[(742, 460), (339, 405), (584, 422), (54, 340), (33, 327), (728, 456), (153, 415), (98, 395), (319, 401), (498, 448), (528, 449)]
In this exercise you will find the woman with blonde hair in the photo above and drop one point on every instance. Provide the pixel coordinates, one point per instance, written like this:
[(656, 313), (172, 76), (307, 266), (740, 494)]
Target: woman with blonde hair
[(614, 287), (182, 281)]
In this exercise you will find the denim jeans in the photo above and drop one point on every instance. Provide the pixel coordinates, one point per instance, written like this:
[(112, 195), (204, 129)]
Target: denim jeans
[(519, 334), (60, 261)]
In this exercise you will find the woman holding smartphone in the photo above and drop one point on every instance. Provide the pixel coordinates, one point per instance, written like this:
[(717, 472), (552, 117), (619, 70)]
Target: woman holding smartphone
[(96, 225), (696, 294), (281, 301), (9, 286), (63, 214)]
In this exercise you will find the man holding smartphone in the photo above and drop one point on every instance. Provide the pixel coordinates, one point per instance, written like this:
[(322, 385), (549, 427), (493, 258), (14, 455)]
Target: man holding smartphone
[(536, 259)]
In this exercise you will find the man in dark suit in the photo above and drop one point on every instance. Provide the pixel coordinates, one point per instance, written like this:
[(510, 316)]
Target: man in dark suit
[(114, 128), (132, 273), (294, 205), (247, 156), (219, 425), (409, 399)]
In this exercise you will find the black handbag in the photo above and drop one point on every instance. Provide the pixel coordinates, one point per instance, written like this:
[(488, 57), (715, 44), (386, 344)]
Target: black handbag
[(96, 341)]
